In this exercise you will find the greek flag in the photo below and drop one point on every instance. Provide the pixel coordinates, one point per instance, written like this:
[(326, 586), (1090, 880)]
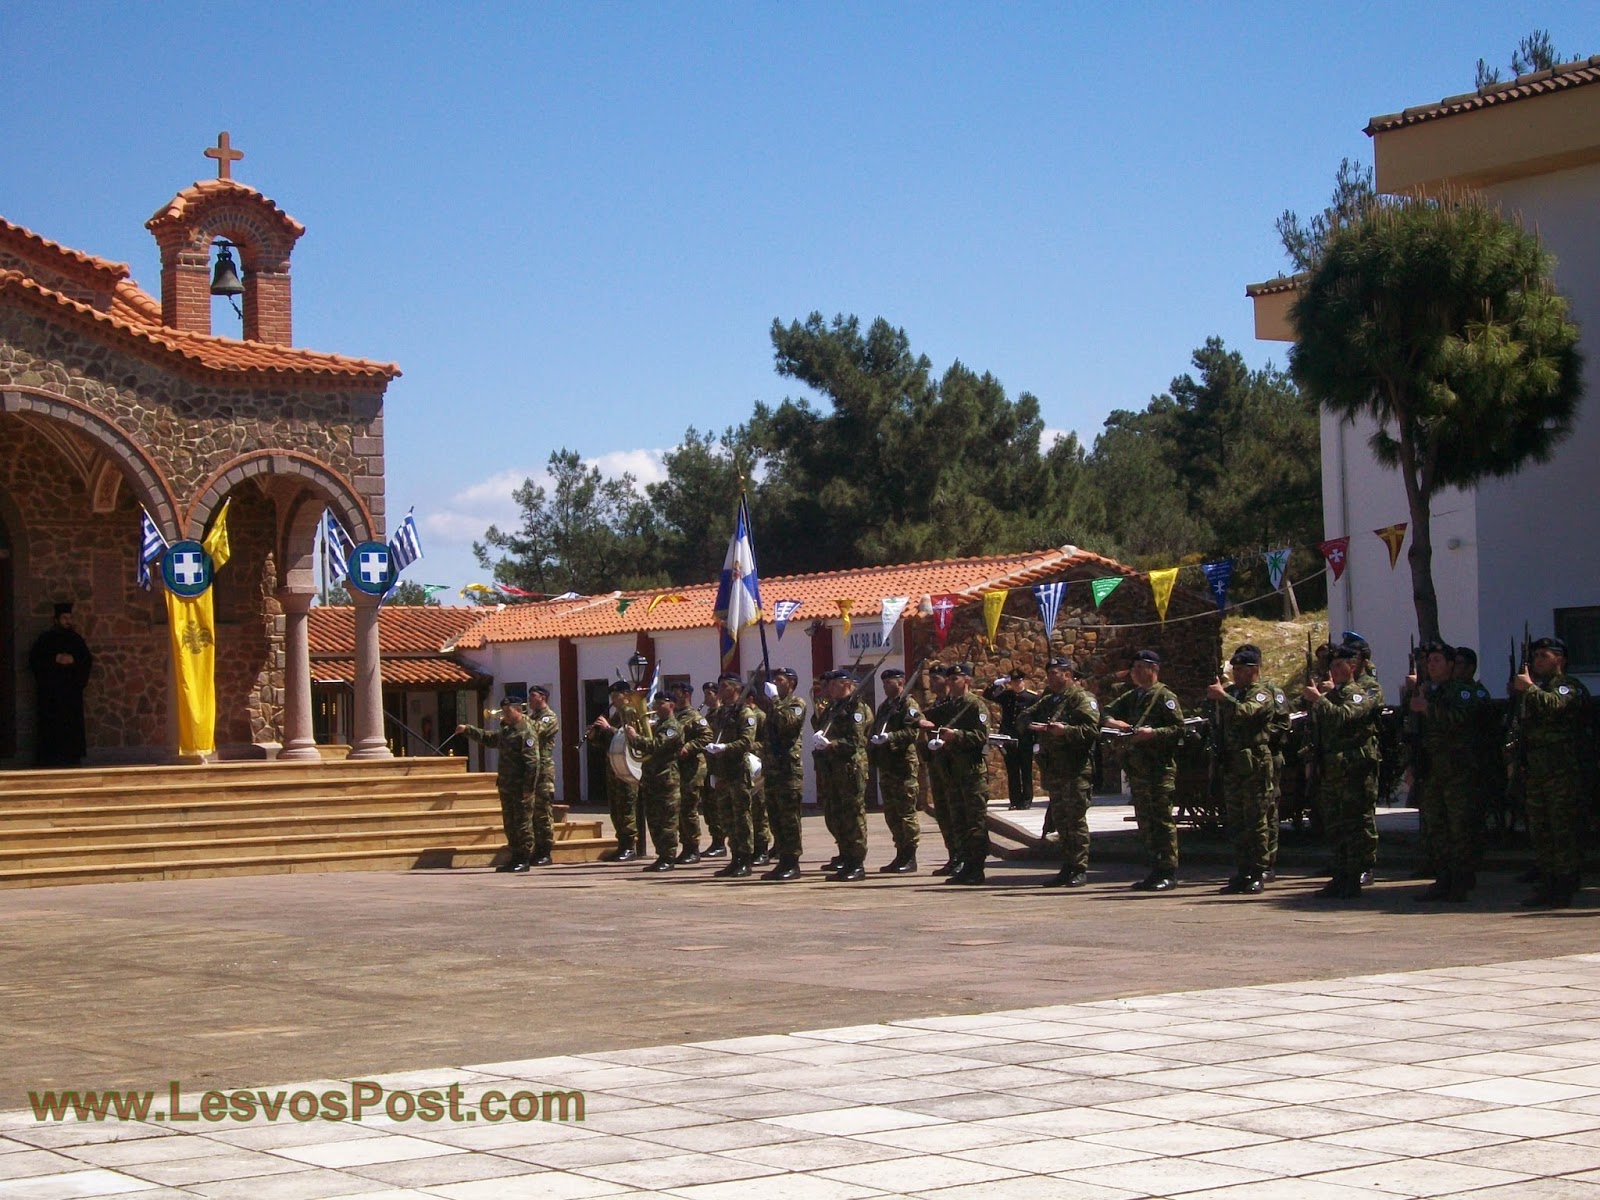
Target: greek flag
[(405, 547), (151, 547), (1049, 597), (738, 602), (336, 547)]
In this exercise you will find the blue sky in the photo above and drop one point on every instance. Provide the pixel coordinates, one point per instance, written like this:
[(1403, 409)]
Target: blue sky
[(572, 225)]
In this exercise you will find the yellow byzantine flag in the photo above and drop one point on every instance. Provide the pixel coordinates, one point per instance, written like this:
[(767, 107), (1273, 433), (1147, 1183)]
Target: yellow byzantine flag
[(1161, 585), (192, 626), (846, 604), (993, 602)]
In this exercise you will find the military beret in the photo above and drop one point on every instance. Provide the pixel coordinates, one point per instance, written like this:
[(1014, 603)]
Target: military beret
[(1356, 642), (1550, 643), (64, 609), (728, 677), (788, 673), (1147, 656), (960, 669), (1344, 650), (1246, 656), (1437, 647), (541, 689), (513, 698), (620, 685), (1466, 652), (892, 673), (680, 687), (1063, 664), (1017, 673)]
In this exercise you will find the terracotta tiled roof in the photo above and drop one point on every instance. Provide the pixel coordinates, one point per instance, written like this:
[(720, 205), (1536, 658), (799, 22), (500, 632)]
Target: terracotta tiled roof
[(819, 594), (1283, 283), (402, 672), (135, 305), (199, 351), (209, 189), (1523, 87), (402, 629), (74, 263)]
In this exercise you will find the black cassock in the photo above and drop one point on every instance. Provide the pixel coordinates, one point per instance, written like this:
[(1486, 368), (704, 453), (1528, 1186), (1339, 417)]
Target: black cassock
[(59, 738)]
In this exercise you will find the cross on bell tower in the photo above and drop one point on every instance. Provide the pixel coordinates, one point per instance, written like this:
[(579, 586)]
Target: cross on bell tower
[(225, 155)]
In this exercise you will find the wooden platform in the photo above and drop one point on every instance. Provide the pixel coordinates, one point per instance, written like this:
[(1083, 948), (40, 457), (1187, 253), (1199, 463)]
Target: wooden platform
[(116, 824)]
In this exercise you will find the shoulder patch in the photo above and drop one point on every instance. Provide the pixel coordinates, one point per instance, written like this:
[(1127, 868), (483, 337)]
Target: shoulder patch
[(529, 742), (983, 716), (1172, 704), (1278, 696), (1563, 690), (1261, 697), (1358, 698), (859, 717), (1094, 705), (750, 721), (1466, 693)]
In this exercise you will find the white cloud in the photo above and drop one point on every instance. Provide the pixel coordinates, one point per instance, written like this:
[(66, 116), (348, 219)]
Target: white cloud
[(488, 502), (646, 466)]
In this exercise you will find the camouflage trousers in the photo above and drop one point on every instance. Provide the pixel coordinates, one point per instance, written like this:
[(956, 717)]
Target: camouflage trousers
[(543, 824), (760, 815), (1152, 807), (1452, 817), (785, 795), (899, 791), (1069, 814), (661, 811), (623, 799), (733, 807), (842, 788), (1553, 798), (939, 799), (1349, 796), (969, 808), (516, 814), (1247, 804), (691, 783)]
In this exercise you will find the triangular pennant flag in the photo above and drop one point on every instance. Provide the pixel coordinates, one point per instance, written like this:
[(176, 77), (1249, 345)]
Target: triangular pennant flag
[(993, 602), (1393, 536), (664, 598), (430, 590), (1335, 550), (1049, 597), (1277, 566), (1103, 588), (893, 606), (782, 611), (622, 606), (944, 611), (1161, 586), (845, 605), (1218, 575)]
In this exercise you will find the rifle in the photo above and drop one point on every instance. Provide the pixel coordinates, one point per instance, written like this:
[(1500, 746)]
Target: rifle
[(1311, 752), (1516, 745)]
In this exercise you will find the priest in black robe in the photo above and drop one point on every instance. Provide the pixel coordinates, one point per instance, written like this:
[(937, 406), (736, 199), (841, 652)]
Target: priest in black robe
[(60, 661)]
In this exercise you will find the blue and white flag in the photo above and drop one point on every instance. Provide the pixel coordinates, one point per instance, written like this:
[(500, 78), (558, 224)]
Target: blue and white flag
[(738, 602), (1049, 597), (782, 611), (336, 547), (405, 547), (151, 547), (1218, 575)]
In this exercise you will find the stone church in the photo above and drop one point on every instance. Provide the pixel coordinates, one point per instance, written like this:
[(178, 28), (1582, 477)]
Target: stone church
[(111, 400)]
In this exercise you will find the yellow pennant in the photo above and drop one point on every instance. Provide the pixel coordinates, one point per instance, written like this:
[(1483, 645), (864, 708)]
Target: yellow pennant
[(662, 599), (1394, 537), (194, 661), (993, 602), (844, 611), (1161, 584), (216, 542)]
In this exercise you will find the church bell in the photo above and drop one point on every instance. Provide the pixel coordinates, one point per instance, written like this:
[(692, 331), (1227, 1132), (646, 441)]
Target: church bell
[(225, 279)]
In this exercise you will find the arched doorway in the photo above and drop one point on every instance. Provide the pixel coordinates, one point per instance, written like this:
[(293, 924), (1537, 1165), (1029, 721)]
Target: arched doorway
[(8, 651)]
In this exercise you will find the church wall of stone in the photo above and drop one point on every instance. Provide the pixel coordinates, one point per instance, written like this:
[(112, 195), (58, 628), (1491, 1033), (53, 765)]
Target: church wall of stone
[(71, 553), (249, 626)]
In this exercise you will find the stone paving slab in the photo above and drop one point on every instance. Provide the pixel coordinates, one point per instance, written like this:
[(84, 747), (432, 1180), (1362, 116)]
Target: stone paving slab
[(1442, 1119)]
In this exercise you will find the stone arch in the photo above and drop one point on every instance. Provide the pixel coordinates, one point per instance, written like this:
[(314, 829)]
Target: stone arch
[(138, 469), (296, 465)]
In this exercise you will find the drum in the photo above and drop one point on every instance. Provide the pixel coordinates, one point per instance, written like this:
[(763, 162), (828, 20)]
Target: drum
[(625, 762)]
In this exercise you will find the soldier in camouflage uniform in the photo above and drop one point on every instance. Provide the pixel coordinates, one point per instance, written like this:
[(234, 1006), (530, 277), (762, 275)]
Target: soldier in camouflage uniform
[(1245, 712), (840, 741), (1347, 713), (937, 709), (892, 748), (733, 737), (1488, 742), (1367, 677), (1554, 747), (760, 805), (1065, 725), (621, 794), (1149, 717), (516, 777), (659, 741), (547, 728), (962, 741), (708, 801), (780, 758), (691, 769), (1448, 727)]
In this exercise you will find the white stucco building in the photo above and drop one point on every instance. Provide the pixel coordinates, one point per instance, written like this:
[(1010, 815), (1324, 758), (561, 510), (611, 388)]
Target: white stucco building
[(1517, 549)]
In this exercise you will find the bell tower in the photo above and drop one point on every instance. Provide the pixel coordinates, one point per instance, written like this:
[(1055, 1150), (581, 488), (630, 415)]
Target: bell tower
[(225, 210)]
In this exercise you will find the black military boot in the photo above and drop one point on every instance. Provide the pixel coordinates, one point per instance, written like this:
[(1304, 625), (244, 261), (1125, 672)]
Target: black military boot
[(728, 869), (1335, 887), (763, 856), (717, 849), (1439, 889), (1063, 878), (1564, 890), (971, 875), (951, 866), (541, 858), (664, 863), (850, 871), (688, 856), (889, 868), (739, 868), (833, 864), (1237, 886), (788, 868), (905, 863), (1253, 885)]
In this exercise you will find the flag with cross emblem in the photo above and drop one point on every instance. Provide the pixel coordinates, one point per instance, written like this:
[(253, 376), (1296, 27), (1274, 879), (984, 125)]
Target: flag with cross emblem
[(371, 568), (188, 569)]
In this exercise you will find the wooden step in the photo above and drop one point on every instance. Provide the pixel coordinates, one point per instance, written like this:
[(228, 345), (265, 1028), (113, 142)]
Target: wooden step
[(575, 850)]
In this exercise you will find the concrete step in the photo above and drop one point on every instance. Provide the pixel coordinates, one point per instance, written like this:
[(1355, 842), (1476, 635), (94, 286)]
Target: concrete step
[(282, 803), (574, 850), (85, 779)]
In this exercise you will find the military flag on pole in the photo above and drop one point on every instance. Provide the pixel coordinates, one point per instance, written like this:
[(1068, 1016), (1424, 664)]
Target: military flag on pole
[(1049, 597), (738, 602), (151, 547)]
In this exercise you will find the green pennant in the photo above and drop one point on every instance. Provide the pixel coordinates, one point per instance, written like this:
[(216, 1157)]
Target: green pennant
[(430, 589), (1103, 588), (622, 605)]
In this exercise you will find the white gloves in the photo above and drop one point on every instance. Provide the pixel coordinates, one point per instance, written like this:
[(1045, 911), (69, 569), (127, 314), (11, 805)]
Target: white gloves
[(878, 739), (820, 740), (771, 690), (716, 747), (936, 743)]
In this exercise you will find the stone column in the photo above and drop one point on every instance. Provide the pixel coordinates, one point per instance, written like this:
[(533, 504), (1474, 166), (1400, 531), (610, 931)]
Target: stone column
[(366, 740), (299, 744)]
